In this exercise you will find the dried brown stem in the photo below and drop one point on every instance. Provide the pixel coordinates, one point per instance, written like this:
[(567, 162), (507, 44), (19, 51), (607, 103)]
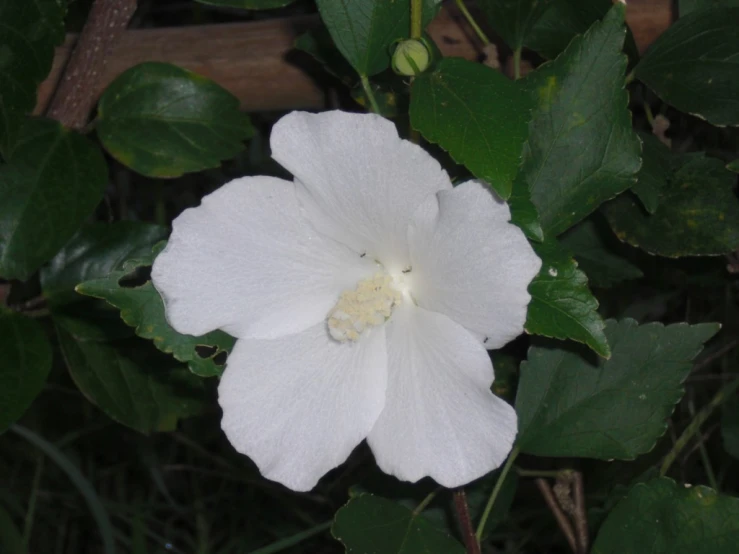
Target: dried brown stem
[(76, 94), (580, 513), (564, 524), (463, 514)]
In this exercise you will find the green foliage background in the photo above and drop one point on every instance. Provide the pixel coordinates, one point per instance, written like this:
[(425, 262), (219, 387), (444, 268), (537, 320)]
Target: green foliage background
[(626, 380)]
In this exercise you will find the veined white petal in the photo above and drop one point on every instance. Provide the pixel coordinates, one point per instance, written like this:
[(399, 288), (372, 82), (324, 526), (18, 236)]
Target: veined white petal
[(298, 405), (247, 261), (440, 418), (471, 264), (361, 183)]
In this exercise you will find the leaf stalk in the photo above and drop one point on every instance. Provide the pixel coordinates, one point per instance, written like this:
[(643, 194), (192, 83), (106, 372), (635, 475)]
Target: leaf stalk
[(496, 490)]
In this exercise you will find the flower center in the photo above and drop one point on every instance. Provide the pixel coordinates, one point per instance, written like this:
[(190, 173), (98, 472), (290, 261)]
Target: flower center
[(369, 305)]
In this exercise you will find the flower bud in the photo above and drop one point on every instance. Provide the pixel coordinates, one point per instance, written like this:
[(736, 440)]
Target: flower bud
[(411, 58)]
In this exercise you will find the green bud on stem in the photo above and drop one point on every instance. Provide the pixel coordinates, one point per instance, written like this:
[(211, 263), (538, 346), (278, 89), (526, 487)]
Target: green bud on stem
[(411, 58)]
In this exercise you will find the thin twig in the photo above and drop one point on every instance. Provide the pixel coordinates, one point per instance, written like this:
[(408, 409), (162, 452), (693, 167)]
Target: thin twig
[(35, 303), (580, 514), (708, 360), (703, 438), (74, 97), (564, 524), (35, 307), (705, 459), (517, 63), (471, 20), (721, 396), (463, 514), (426, 501), (709, 378)]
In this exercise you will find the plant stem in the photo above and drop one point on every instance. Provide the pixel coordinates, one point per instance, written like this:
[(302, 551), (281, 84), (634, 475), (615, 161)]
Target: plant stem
[(471, 20), (416, 19), (709, 359), (564, 524), (370, 95), (722, 395), (471, 542), (629, 78), (580, 514), (703, 452), (517, 63), (496, 490), (425, 502), (648, 113), (31, 511), (75, 96), (99, 514)]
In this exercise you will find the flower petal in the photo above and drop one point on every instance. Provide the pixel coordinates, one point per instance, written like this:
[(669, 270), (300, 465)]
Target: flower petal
[(470, 263), (247, 261), (299, 405), (440, 418), (362, 183)]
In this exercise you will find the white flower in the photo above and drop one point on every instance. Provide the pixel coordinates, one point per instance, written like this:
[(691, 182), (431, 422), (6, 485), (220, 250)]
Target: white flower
[(363, 296)]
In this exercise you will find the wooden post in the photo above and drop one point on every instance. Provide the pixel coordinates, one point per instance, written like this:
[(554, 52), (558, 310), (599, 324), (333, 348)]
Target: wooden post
[(256, 61)]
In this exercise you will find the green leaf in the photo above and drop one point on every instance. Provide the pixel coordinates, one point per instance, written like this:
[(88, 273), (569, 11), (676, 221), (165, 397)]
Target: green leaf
[(248, 4), (733, 166), (50, 185), (571, 405), (28, 34), (563, 20), (90, 319), (619, 491), (477, 115), (318, 44), (142, 308), (694, 65), (730, 428), (513, 19), (655, 170), (93, 253), (131, 382), (364, 30), (698, 214), (523, 211), (163, 121), (400, 530), (561, 304), (661, 516), (581, 149), (589, 243), (687, 6), (26, 361)]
